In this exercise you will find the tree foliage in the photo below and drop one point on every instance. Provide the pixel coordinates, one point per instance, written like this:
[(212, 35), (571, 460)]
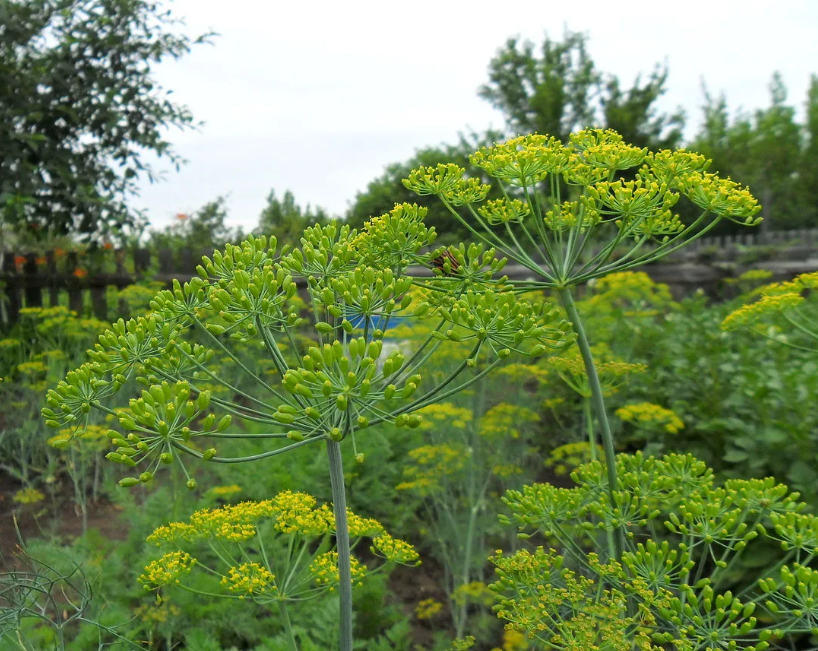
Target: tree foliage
[(769, 150), (561, 90), (199, 231), (287, 220), (384, 192), (79, 109)]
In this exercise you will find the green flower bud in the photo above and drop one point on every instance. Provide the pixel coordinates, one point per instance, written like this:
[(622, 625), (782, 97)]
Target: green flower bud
[(166, 458), (128, 482), (145, 477), (191, 484), (209, 454)]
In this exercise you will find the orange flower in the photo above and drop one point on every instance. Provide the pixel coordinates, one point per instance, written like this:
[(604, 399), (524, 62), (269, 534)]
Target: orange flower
[(58, 253), (41, 260), (181, 216), (107, 246), (80, 273)]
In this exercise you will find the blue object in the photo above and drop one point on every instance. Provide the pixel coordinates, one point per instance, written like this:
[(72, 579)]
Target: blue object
[(376, 322)]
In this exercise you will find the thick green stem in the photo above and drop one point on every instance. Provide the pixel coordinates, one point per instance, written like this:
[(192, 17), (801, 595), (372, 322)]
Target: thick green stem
[(288, 627), (339, 505), (598, 402), (589, 426)]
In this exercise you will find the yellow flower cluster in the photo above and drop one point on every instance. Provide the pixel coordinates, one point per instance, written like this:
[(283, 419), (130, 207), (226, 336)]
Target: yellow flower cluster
[(563, 459), (249, 578), (475, 592), (611, 373), (324, 570), (503, 211), (506, 421), (395, 550), (430, 463), (651, 416), (523, 372), (721, 196), (754, 276), (28, 496), (168, 569), (627, 290), (669, 166), (225, 491), (776, 298), (513, 640), (445, 412), (606, 149), (428, 608), (506, 470), (359, 526), (157, 613), (570, 215), (10, 344), (524, 160), (747, 315), (94, 436), (293, 513)]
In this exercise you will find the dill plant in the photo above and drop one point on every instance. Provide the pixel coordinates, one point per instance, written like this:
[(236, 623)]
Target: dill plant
[(325, 391), (572, 213), (666, 572)]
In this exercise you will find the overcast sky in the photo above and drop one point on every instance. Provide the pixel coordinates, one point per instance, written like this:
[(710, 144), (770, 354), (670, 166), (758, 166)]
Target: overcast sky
[(317, 97)]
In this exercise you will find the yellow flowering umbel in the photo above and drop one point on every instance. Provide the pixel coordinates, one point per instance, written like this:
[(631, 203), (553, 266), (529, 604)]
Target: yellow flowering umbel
[(429, 465), (787, 304), (324, 570), (612, 374), (653, 417), (28, 496), (169, 569), (565, 458), (428, 609), (260, 533)]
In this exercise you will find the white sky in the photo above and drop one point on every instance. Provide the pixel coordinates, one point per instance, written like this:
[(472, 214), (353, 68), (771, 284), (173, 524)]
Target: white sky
[(317, 97)]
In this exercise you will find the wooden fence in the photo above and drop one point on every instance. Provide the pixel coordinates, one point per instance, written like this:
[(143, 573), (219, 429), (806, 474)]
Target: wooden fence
[(28, 279)]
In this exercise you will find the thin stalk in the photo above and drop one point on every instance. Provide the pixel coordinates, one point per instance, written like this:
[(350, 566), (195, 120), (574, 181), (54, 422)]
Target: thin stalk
[(599, 405), (589, 424), (288, 627), (339, 506)]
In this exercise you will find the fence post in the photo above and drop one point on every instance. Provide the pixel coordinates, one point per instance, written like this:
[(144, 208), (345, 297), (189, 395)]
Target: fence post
[(75, 302), (32, 290), (51, 275), (12, 290)]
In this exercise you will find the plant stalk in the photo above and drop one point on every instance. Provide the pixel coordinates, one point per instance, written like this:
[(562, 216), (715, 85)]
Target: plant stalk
[(288, 628), (598, 403), (339, 505)]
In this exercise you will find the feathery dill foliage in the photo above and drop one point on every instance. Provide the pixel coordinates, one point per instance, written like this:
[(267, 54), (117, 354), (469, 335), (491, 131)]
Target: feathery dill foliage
[(159, 376)]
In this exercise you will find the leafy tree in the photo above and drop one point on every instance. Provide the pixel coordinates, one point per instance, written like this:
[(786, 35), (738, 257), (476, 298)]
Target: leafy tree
[(808, 173), (79, 109), (384, 192), (286, 220), (204, 229), (765, 149), (561, 90)]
